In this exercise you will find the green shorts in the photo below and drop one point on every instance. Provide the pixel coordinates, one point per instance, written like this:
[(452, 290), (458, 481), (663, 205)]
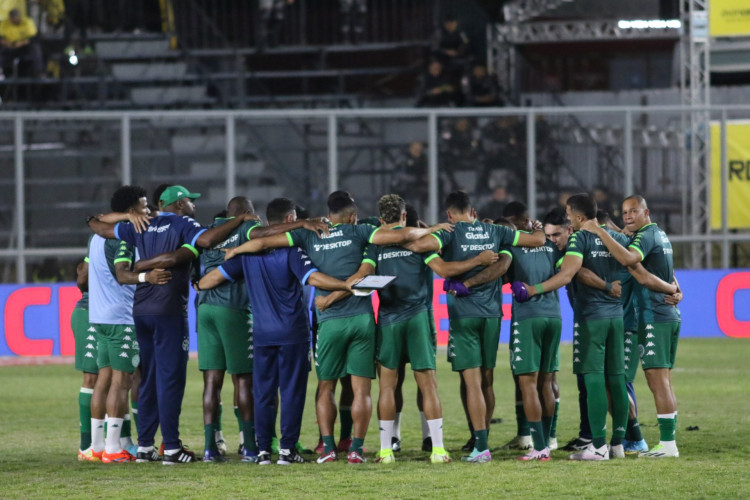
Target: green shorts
[(85, 341), (631, 355), (410, 341), (118, 347), (346, 346), (535, 344), (657, 343), (599, 347), (225, 339), (472, 343)]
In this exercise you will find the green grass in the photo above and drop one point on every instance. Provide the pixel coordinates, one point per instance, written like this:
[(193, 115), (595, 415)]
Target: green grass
[(39, 439)]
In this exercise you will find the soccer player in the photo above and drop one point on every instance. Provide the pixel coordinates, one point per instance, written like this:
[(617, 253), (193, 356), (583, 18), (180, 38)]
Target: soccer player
[(658, 321), (85, 360), (160, 314), (346, 331), (112, 284), (474, 320)]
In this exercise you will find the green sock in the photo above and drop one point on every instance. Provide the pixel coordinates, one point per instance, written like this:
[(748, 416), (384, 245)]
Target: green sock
[(221, 412), (620, 407), (134, 413), (239, 418), (345, 415), (209, 437), (597, 403), (84, 411), (329, 443), (248, 433), (634, 427), (667, 427), (125, 431), (482, 440), (522, 425), (547, 429), (357, 445), (553, 427), (537, 435)]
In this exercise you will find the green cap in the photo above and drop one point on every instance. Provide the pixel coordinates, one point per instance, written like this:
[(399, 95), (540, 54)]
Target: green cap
[(174, 193)]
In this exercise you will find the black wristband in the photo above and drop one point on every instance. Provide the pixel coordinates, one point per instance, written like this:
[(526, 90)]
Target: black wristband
[(89, 218), (197, 286)]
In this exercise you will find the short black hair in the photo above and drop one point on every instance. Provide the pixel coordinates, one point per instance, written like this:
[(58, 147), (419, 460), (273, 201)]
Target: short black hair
[(584, 204), (514, 209), (340, 194), (501, 221), (556, 217), (602, 217), (340, 203), (302, 212), (157, 193), (278, 209), (458, 200), (126, 197), (220, 215), (412, 216)]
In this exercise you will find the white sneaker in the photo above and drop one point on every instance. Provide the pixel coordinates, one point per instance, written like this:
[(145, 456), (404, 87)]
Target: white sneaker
[(617, 451), (661, 450), (591, 454), (552, 444), (518, 443)]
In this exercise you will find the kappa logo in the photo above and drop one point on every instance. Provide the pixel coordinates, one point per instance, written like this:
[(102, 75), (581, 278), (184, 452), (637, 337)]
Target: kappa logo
[(575, 342), (649, 327), (650, 353), (576, 351), (127, 337), (91, 329), (575, 334), (516, 332), (516, 341), (627, 358), (90, 337), (620, 429), (124, 355), (627, 349), (89, 355), (89, 346), (517, 349), (650, 336), (575, 325), (518, 358), (628, 341), (650, 344), (125, 346), (128, 329), (577, 360), (515, 323)]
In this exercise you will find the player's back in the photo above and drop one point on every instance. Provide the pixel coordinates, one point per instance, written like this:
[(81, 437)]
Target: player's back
[(110, 303), (534, 265), (654, 246)]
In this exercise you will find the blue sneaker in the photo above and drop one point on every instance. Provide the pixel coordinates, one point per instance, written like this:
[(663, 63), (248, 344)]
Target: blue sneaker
[(249, 456), (132, 449), (213, 456), (633, 447), (478, 457)]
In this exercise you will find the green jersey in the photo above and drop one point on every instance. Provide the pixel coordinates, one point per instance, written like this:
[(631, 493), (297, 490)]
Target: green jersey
[(411, 293), (656, 255), (338, 254), (534, 265), (592, 303), (467, 240), (230, 294), (83, 302)]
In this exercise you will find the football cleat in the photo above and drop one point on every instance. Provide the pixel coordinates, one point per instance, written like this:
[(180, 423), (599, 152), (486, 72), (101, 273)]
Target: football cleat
[(439, 456), (132, 449), (355, 457), (302, 450), (395, 444), (221, 445), (661, 450), (469, 444), (120, 457), (327, 457), (616, 451), (182, 456), (89, 455), (427, 444), (264, 458), (344, 444), (536, 455), (250, 456), (289, 457), (634, 447), (478, 457), (213, 456), (147, 456), (591, 454), (577, 444), (518, 443), (552, 444), (320, 447), (386, 456)]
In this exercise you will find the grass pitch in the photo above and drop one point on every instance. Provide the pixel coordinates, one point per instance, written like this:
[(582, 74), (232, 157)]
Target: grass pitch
[(39, 439)]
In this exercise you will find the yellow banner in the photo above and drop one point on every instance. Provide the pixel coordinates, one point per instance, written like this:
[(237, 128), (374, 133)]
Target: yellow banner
[(738, 184), (729, 18)]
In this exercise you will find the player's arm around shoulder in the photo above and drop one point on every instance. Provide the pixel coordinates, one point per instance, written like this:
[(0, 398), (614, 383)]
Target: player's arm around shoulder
[(533, 239), (651, 281)]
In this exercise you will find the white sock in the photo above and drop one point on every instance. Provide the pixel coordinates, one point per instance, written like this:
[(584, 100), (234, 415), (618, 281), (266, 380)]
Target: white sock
[(97, 434), (171, 452), (242, 437), (436, 431), (114, 428), (386, 433), (397, 426), (667, 415), (219, 436), (145, 449), (425, 427)]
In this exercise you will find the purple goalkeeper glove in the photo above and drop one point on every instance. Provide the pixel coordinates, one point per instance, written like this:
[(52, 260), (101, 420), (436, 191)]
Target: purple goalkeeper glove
[(457, 287), (519, 291)]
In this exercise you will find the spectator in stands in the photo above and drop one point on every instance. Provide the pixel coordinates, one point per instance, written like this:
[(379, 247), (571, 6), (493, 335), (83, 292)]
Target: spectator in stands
[(603, 201), (353, 14), (436, 89), (482, 89), (494, 208), (18, 42), (77, 15), (450, 46), (460, 152), (272, 14), (410, 179)]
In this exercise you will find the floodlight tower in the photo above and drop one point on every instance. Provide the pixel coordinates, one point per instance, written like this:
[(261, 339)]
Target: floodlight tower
[(695, 91)]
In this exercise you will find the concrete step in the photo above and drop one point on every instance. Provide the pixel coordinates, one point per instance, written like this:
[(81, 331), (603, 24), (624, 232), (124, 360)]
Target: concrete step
[(197, 143), (149, 71), (166, 96), (247, 169), (140, 49)]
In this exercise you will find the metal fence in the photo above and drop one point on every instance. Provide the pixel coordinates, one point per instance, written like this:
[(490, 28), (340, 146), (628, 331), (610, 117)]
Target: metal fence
[(56, 167)]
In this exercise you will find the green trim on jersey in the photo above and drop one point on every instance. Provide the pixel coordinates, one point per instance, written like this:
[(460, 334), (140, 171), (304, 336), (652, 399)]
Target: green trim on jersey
[(440, 242), (515, 238), (637, 250), (86, 259), (575, 254), (429, 259), (369, 261), (192, 249), (506, 252), (372, 236), (289, 238)]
